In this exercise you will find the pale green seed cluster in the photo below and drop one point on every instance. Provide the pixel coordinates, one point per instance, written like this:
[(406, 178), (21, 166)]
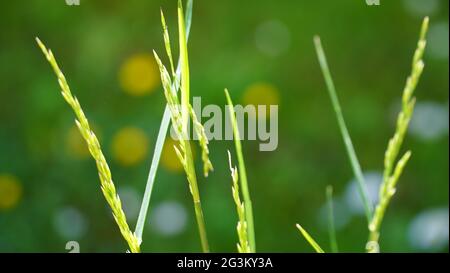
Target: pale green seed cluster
[(163, 127), (107, 185), (180, 115), (243, 246), (248, 209), (393, 169), (203, 140)]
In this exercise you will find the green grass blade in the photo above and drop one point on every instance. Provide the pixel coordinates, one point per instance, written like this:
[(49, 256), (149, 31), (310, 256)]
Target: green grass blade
[(184, 59), (343, 128), (331, 228), (243, 175), (160, 142), (188, 17), (310, 240)]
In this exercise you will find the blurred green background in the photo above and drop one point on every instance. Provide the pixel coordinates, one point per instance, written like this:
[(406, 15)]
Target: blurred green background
[(49, 188)]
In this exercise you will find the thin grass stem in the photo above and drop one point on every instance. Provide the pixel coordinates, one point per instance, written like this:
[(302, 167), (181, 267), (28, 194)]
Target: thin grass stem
[(331, 226), (343, 128), (309, 239)]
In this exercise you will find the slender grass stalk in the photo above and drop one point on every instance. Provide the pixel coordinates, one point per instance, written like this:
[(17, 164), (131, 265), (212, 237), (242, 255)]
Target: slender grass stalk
[(331, 228), (162, 129), (185, 78), (242, 174), (393, 170), (180, 115), (107, 185), (343, 128), (310, 240), (243, 245)]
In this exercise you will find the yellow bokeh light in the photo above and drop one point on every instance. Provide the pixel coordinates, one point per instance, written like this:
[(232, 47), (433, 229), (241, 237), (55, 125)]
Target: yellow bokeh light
[(139, 75), (130, 146), (169, 158), (10, 191), (261, 94)]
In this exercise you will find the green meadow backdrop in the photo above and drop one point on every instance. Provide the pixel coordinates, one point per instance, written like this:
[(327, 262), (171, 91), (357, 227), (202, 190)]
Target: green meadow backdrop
[(263, 52)]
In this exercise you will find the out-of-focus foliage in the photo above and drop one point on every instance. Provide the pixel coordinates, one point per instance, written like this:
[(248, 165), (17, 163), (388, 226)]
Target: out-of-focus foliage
[(49, 188)]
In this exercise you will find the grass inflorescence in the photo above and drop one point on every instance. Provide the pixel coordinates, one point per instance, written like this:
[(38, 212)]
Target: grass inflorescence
[(243, 175), (393, 169), (164, 124), (243, 246), (181, 112), (107, 184)]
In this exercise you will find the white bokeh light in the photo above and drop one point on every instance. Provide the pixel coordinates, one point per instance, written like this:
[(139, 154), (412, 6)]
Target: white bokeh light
[(272, 38), (438, 46), (352, 196), (130, 201), (428, 231), (168, 218), (429, 121), (70, 223)]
